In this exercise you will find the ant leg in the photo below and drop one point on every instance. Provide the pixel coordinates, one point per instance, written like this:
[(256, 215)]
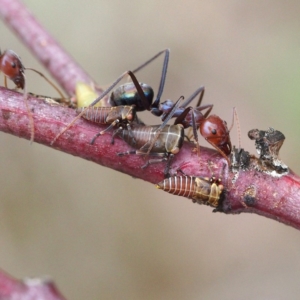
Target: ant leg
[(195, 134), (50, 82), (171, 113), (238, 127), (180, 118), (127, 153), (209, 108), (163, 75), (200, 91), (5, 81), (162, 79)]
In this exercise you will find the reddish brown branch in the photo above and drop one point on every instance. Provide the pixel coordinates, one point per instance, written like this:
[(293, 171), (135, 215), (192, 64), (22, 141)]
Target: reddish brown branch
[(11, 288), (273, 197), (246, 191)]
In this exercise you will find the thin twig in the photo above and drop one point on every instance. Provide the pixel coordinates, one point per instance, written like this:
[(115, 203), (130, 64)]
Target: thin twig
[(271, 196), (11, 288)]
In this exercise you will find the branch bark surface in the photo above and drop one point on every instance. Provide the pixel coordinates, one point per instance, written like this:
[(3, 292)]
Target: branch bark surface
[(273, 197)]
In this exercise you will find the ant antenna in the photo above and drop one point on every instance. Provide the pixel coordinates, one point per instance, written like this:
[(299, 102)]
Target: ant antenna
[(49, 81), (29, 112), (238, 127), (5, 82)]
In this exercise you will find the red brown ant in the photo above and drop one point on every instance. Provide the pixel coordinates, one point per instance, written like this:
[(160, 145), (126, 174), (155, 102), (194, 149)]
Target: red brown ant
[(212, 128), (12, 68)]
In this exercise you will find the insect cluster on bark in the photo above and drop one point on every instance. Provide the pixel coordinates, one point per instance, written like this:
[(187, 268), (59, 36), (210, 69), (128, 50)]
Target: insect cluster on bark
[(118, 107)]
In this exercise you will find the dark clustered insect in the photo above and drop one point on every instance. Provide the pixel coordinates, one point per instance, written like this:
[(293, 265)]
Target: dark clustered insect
[(268, 144), (240, 159)]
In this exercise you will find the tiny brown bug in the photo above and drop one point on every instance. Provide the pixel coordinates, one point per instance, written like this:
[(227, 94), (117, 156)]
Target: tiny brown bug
[(199, 189)]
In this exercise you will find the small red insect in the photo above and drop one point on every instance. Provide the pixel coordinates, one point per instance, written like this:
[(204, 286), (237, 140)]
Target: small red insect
[(12, 68), (212, 128)]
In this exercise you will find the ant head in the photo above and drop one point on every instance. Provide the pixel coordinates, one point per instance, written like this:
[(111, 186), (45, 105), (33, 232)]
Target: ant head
[(215, 131), (12, 67)]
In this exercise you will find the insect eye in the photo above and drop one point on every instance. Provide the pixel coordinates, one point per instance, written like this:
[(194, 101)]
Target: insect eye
[(13, 64), (214, 131)]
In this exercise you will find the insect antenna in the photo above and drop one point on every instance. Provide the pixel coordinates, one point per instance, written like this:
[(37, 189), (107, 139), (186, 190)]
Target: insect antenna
[(29, 112), (50, 82)]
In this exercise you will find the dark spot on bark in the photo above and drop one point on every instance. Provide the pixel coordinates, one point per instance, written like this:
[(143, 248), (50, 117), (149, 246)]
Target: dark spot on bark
[(249, 200), (6, 114)]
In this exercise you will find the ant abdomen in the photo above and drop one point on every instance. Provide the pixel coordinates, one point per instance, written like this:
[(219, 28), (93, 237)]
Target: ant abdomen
[(127, 94)]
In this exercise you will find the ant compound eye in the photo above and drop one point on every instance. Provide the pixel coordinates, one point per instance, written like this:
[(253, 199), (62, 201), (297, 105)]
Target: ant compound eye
[(13, 64), (214, 131)]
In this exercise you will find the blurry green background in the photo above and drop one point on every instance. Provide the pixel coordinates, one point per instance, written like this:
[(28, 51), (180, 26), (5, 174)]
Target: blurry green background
[(103, 235)]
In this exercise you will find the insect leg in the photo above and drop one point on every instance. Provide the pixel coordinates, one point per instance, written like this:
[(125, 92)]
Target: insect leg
[(163, 75), (103, 131), (200, 91), (127, 152), (51, 83)]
